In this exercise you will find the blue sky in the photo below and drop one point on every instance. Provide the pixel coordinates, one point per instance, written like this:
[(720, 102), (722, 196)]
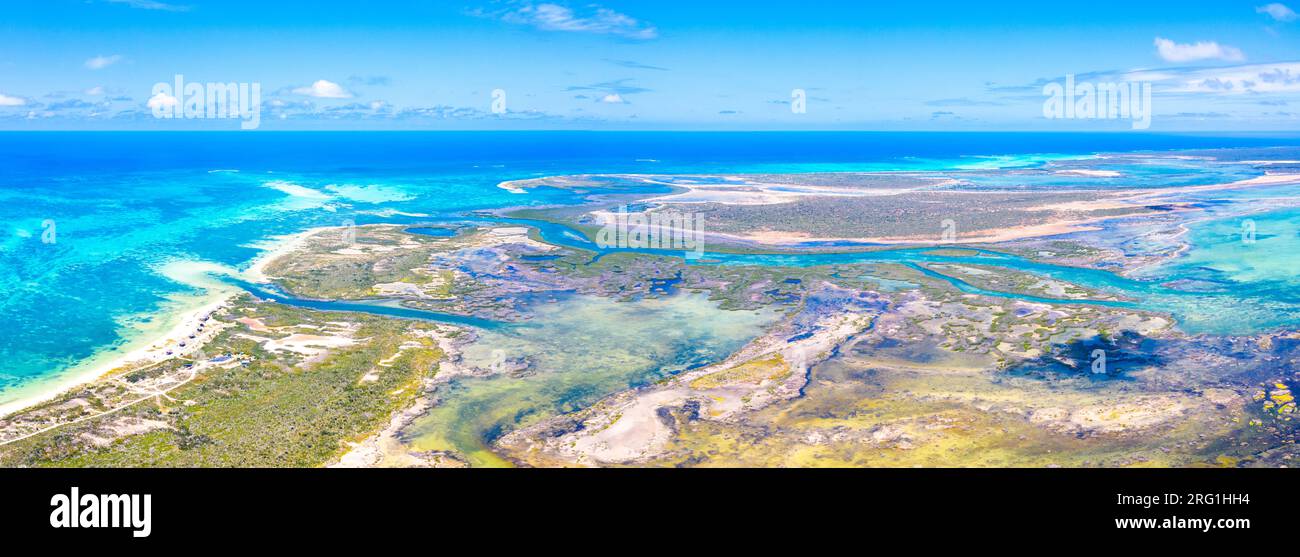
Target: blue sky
[(382, 64)]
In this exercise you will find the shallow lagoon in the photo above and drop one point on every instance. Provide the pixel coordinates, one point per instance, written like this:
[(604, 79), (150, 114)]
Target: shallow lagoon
[(128, 205), (579, 350), (1252, 283)]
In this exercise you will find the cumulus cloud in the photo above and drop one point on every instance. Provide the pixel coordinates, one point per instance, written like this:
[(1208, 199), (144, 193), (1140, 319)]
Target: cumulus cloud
[(613, 98), (161, 101), (1171, 51), (95, 91), (324, 89), (1239, 90), (101, 62), (1275, 79), (1281, 78), (597, 20), (1277, 11), (6, 100)]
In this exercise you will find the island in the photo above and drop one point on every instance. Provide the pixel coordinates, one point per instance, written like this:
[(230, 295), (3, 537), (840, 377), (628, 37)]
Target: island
[(1068, 315)]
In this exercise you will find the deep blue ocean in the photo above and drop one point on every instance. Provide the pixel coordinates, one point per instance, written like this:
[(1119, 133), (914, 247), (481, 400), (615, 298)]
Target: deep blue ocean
[(128, 211)]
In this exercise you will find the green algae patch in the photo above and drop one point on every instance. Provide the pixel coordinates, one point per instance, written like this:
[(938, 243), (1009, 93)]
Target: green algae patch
[(771, 368)]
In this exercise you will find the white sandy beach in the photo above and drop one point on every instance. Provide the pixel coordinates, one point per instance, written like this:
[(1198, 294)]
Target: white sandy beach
[(177, 325), (136, 353)]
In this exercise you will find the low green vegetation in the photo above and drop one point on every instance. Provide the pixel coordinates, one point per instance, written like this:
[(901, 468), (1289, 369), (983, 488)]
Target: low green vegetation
[(267, 409), (333, 265)]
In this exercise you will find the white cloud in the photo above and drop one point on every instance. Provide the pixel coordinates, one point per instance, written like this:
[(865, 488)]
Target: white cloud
[(95, 91), (6, 100), (1171, 51), (323, 89), (161, 101), (1277, 11), (1280, 78), (603, 21), (613, 98), (101, 62)]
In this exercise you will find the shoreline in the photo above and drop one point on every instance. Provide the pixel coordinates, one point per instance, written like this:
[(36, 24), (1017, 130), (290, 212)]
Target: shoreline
[(138, 352), (152, 348)]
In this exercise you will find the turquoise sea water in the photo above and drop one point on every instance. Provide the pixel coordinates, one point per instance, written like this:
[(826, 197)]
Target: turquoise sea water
[(103, 231)]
